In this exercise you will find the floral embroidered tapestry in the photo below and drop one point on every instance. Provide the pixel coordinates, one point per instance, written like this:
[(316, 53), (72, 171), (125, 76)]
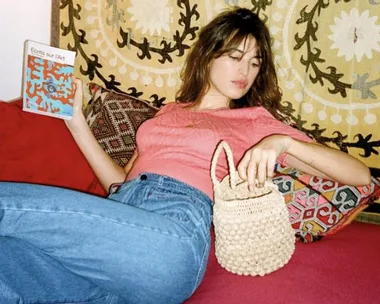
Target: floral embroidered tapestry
[(327, 57)]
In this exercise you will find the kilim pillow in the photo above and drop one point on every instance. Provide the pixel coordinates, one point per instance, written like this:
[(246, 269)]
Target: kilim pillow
[(114, 118), (320, 207)]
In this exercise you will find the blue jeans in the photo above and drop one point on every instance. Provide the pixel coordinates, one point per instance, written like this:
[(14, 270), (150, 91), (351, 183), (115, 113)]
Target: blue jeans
[(148, 242)]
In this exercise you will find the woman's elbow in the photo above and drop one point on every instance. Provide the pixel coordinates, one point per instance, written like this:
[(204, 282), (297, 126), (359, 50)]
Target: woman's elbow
[(362, 177)]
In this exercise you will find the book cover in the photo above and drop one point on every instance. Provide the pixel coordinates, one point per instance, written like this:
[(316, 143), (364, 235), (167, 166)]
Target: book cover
[(48, 86)]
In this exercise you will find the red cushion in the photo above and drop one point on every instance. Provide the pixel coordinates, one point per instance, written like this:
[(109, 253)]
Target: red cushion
[(342, 268), (40, 149), (320, 207)]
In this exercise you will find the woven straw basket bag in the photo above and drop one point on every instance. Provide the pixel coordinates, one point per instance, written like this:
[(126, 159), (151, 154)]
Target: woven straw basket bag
[(253, 234)]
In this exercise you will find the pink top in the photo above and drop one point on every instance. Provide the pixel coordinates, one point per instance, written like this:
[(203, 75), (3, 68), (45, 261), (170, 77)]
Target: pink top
[(180, 143)]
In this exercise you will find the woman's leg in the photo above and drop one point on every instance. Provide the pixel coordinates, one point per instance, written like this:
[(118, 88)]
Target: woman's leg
[(153, 251), (26, 273)]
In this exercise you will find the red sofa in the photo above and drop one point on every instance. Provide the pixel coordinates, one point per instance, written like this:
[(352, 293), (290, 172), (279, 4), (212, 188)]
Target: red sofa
[(342, 268)]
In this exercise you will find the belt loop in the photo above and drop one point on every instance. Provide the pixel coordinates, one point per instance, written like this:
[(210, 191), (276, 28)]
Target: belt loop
[(161, 180)]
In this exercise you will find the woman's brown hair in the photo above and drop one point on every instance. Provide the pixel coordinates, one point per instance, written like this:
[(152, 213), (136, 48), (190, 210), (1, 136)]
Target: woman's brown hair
[(225, 32)]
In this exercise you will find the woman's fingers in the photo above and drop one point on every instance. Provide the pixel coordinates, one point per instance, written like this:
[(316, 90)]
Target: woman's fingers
[(251, 174), (77, 118), (257, 165), (78, 96), (271, 164), (259, 161), (247, 169), (262, 170), (243, 166)]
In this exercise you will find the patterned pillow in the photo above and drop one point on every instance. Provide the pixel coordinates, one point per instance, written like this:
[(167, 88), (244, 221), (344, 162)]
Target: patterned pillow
[(114, 118), (320, 207)]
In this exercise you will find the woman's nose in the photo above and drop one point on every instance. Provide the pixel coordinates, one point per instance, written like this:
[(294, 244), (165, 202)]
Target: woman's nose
[(243, 68)]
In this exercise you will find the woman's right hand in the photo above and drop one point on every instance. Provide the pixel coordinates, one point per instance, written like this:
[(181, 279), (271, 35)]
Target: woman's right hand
[(107, 171), (78, 117)]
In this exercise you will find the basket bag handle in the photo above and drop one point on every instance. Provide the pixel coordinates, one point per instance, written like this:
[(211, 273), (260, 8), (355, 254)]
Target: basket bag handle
[(233, 177), (231, 165)]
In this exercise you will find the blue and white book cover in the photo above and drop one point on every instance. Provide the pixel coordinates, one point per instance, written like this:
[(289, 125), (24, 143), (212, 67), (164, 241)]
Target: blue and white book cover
[(48, 85)]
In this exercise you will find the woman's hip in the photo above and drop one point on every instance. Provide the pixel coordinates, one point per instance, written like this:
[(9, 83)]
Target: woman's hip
[(173, 199)]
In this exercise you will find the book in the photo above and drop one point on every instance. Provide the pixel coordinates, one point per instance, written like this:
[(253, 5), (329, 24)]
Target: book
[(47, 85)]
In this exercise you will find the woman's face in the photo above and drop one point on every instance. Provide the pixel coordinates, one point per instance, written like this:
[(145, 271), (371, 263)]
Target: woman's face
[(232, 74)]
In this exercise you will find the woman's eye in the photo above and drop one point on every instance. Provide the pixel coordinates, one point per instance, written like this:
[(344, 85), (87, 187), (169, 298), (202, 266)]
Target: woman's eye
[(235, 58)]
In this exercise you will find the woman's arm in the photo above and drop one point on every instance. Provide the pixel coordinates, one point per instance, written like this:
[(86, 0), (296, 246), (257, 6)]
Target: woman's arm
[(259, 161), (107, 171), (316, 159)]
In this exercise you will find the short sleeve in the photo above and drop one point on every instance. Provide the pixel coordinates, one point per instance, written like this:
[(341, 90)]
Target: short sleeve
[(268, 125)]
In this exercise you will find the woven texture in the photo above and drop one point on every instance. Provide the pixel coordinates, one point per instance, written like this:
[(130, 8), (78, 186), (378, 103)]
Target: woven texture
[(253, 234), (114, 119)]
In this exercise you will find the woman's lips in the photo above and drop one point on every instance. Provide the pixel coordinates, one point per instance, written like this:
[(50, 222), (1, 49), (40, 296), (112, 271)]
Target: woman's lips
[(241, 84)]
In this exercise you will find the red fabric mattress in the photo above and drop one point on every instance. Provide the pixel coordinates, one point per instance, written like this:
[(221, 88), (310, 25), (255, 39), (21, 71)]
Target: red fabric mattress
[(343, 268)]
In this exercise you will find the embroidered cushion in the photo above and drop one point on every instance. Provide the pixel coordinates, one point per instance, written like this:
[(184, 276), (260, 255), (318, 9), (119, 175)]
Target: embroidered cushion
[(320, 207), (114, 118)]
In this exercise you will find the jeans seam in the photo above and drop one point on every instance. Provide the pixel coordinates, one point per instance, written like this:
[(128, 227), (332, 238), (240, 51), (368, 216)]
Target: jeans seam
[(203, 264), (105, 219)]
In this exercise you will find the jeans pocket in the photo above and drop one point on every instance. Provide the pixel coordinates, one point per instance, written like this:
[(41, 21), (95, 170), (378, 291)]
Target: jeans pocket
[(129, 193), (174, 207), (177, 216)]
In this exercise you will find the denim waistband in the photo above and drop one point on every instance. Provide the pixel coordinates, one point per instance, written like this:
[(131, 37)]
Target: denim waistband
[(165, 182)]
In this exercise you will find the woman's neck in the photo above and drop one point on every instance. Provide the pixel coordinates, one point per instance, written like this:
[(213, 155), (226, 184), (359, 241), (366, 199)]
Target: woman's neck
[(211, 103)]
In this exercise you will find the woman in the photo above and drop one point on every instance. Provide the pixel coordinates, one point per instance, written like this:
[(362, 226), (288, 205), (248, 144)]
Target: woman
[(149, 241)]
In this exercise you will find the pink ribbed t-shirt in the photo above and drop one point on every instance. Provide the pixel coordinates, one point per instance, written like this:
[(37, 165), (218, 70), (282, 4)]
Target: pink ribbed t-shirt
[(180, 143)]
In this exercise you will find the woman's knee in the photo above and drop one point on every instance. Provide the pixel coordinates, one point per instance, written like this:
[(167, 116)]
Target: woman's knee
[(167, 276)]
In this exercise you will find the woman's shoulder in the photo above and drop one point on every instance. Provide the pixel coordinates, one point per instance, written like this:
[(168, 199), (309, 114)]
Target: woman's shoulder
[(260, 112), (169, 107)]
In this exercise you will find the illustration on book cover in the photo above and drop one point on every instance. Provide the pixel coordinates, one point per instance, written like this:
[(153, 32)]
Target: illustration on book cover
[(48, 80)]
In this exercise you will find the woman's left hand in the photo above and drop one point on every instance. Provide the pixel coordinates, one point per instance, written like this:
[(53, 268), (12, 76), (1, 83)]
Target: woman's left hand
[(259, 161)]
